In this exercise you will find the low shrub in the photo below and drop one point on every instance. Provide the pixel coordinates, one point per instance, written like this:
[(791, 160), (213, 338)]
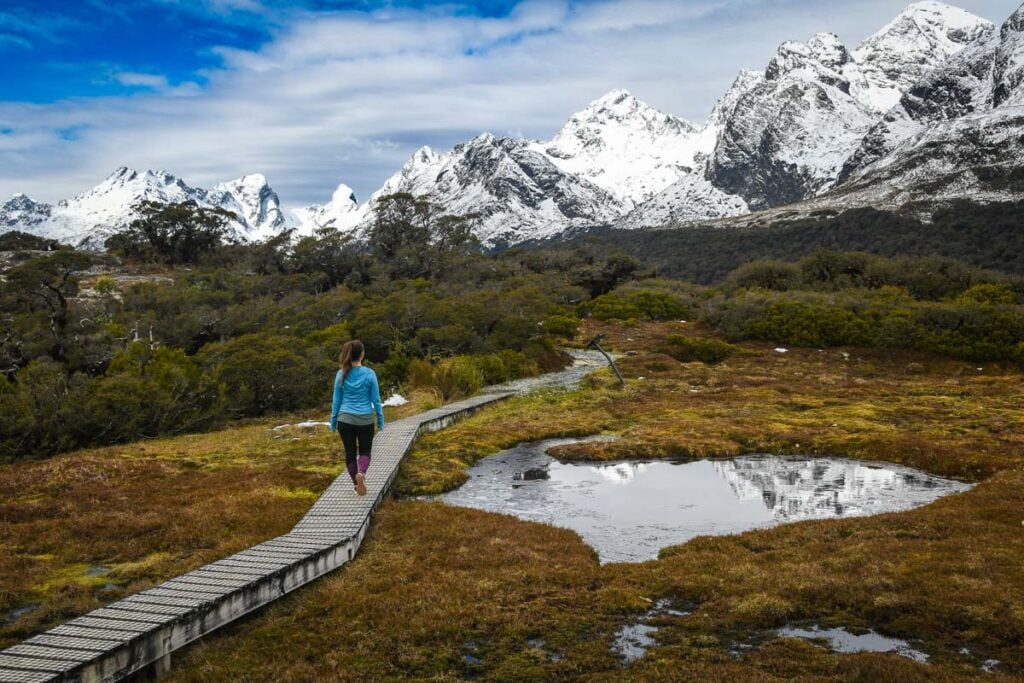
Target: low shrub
[(689, 349), (458, 377), (561, 325)]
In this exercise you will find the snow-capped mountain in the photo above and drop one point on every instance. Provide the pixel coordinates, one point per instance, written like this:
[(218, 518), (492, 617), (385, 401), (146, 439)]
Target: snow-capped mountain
[(610, 157), (922, 109), (789, 136), (626, 147), (777, 136), (958, 132), (342, 213), (88, 219), (254, 202), (924, 35), (517, 191)]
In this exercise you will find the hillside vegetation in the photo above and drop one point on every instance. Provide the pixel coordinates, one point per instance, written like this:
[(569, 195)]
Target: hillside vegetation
[(986, 236), (155, 338)]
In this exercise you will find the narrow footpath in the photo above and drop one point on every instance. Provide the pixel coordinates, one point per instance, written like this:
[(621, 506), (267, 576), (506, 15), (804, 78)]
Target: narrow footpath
[(142, 630)]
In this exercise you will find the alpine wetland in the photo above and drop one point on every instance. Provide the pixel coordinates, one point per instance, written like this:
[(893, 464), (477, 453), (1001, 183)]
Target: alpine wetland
[(720, 378)]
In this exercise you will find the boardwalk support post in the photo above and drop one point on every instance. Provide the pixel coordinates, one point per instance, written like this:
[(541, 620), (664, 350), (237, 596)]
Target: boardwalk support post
[(595, 343)]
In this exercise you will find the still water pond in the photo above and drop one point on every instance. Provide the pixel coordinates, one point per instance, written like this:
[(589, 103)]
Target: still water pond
[(629, 510)]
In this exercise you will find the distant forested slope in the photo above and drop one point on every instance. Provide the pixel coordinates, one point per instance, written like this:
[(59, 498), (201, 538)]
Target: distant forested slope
[(990, 236)]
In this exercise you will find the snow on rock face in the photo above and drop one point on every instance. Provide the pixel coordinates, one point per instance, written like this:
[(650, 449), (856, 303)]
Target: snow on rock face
[(976, 156), (788, 135), (88, 219), (626, 147), (516, 189), (689, 199), (20, 212), (342, 213), (254, 202), (1008, 66), (609, 158), (794, 135), (959, 86), (983, 75), (905, 49)]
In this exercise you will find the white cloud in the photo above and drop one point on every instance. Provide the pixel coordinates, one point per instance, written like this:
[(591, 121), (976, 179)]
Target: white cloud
[(157, 83), (347, 96)]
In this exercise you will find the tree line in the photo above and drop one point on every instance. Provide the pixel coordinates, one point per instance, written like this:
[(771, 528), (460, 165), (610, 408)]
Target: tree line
[(177, 328)]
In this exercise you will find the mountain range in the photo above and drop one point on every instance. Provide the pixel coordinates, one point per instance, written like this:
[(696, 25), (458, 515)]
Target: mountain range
[(929, 108)]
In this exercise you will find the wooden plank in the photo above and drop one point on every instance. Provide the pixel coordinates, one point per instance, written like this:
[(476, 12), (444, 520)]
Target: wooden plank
[(22, 676), (123, 637)]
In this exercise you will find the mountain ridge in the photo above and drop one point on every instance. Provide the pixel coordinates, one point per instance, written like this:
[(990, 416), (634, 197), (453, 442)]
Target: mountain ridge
[(820, 125)]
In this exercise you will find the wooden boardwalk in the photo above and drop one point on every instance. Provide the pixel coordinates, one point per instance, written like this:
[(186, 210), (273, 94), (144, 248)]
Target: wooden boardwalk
[(143, 629)]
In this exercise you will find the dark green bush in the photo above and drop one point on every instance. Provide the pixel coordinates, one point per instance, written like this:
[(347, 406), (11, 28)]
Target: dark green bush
[(561, 325), (689, 349), (777, 275)]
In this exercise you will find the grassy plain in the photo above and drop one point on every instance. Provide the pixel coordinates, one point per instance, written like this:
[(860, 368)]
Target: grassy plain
[(445, 593), (83, 529)]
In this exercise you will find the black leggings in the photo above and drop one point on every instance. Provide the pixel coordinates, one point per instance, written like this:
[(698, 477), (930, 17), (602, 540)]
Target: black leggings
[(351, 436)]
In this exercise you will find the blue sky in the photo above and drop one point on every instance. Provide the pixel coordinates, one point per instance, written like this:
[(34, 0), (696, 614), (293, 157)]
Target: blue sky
[(82, 48), (316, 92)]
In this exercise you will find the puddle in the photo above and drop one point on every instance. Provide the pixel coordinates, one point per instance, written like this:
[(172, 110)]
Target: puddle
[(13, 615), (841, 640), (469, 652), (542, 645), (97, 570), (632, 641), (629, 510)]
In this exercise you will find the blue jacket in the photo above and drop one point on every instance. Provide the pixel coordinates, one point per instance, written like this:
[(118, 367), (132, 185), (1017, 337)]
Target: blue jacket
[(359, 394)]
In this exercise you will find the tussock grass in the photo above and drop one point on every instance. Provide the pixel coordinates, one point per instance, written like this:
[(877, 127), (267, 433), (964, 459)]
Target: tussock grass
[(948, 418), (151, 510), (450, 594)]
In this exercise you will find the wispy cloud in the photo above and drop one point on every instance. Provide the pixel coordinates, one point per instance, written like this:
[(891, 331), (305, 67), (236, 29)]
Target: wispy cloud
[(348, 95), (157, 83), (29, 29)]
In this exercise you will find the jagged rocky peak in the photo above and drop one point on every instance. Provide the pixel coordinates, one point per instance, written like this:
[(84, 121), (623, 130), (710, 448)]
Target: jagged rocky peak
[(342, 213), (87, 219), (415, 175), (786, 136), (920, 38), (21, 212), (967, 82), (1008, 66), (253, 200), (822, 51), (747, 80), (625, 146), (344, 196), (616, 110), (21, 202)]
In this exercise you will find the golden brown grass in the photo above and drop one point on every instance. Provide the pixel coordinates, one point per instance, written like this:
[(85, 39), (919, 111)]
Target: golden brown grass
[(445, 593), (943, 416), (83, 529), (945, 576)]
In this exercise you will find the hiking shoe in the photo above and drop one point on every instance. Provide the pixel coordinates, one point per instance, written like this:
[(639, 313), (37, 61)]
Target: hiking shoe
[(361, 484)]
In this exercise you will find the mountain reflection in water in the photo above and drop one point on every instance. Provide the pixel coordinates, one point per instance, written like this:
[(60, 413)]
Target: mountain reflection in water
[(795, 488), (629, 510)]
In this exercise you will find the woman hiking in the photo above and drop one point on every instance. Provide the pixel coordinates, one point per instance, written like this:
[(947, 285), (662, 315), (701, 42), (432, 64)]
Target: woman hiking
[(356, 403)]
